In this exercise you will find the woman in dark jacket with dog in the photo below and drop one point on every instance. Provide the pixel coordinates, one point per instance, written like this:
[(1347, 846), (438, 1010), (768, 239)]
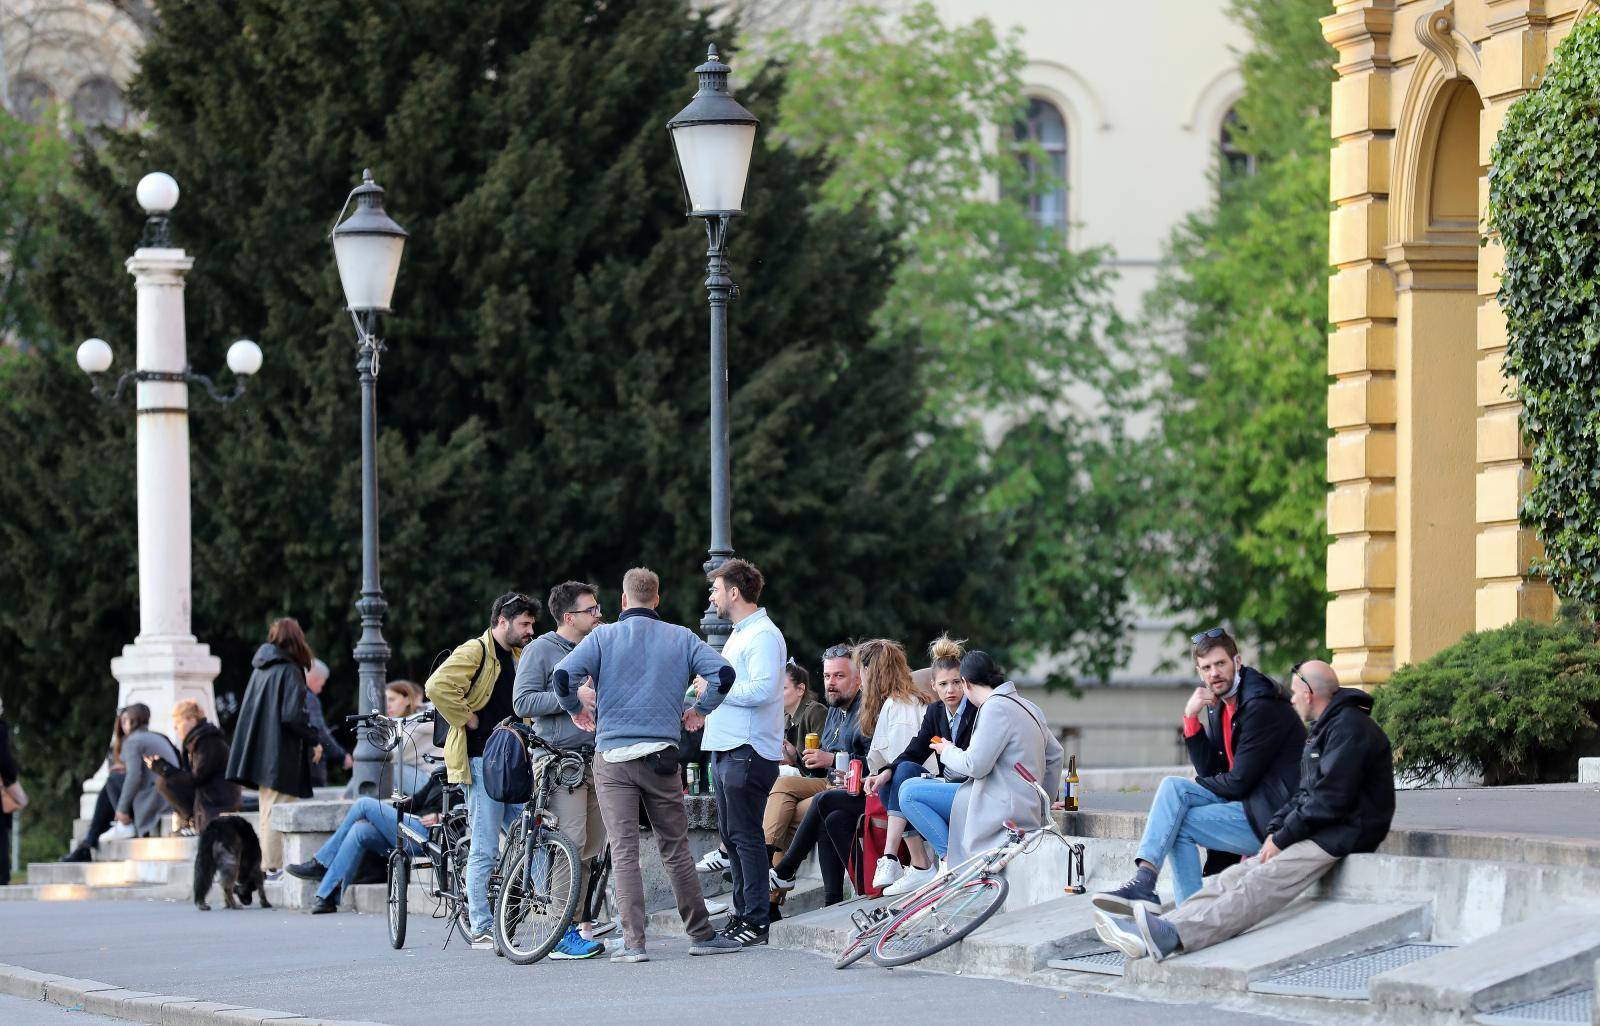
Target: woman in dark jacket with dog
[(199, 789), (273, 738)]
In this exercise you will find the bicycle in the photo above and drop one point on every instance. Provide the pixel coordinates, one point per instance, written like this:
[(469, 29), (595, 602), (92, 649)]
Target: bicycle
[(598, 906), (948, 908), (442, 847), (539, 870)]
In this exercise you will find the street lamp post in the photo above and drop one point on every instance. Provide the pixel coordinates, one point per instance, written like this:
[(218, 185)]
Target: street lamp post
[(713, 138), (165, 664), (367, 247)]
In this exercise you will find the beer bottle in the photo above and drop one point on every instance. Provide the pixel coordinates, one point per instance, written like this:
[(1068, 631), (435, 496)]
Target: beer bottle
[(1069, 785)]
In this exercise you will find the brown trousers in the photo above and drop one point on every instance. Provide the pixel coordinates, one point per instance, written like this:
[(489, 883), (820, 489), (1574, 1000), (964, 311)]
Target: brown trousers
[(786, 807), (621, 786), (1245, 894), (272, 840), (578, 816)]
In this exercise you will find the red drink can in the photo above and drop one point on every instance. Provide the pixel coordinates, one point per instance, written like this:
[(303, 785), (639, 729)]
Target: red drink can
[(852, 783)]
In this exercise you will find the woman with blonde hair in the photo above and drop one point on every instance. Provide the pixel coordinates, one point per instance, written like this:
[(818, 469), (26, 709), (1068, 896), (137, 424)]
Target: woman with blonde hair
[(402, 698), (197, 788)]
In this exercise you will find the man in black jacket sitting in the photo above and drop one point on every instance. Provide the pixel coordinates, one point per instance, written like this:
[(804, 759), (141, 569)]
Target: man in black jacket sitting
[(1246, 767), (1344, 804)]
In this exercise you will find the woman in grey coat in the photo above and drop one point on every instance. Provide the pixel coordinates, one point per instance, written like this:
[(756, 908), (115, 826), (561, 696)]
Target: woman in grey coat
[(140, 806), (1010, 729)]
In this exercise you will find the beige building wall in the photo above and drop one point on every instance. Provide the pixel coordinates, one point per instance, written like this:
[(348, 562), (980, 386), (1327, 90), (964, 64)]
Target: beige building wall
[(1427, 462), (78, 55)]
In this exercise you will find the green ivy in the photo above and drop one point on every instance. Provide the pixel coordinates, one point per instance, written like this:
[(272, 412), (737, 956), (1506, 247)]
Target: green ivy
[(1518, 704), (1544, 200)]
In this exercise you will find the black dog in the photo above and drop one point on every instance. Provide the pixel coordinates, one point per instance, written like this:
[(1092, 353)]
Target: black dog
[(230, 850)]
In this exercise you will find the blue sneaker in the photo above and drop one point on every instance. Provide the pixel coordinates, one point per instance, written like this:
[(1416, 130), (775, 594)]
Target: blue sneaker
[(573, 945)]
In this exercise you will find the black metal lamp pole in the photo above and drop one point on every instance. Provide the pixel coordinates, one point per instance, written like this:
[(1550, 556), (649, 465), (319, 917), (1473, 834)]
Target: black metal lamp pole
[(368, 247), (713, 138)]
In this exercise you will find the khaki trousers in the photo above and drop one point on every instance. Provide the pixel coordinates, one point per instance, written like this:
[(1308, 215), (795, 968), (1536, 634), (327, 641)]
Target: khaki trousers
[(787, 803), (271, 839), (578, 816), (1243, 895), (621, 787)]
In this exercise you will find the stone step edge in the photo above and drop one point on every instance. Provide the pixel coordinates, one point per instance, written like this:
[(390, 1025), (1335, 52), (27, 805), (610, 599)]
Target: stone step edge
[(108, 999)]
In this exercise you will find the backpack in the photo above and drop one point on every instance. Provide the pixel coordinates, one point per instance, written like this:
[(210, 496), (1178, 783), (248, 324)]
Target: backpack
[(441, 726), (507, 771)]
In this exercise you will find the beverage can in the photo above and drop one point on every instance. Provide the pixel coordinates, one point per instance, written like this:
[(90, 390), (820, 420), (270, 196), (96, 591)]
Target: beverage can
[(852, 783), (841, 761), (694, 779), (813, 742)]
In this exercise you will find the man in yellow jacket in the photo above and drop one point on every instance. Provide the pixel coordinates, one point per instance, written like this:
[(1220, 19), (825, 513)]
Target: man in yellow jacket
[(472, 690)]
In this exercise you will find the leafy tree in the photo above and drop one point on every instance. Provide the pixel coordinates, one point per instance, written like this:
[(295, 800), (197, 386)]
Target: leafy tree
[(1237, 528), (915, 118), (543, 402), (34, 165)]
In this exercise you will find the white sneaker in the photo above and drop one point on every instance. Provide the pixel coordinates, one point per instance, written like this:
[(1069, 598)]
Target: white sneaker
[(887, 872), (716, 908), (595, 931), (118, 832), (910, 880), (712, 861), (778, 883)]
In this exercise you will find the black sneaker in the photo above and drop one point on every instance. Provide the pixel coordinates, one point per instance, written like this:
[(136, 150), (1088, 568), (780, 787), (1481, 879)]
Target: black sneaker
[(311, 869), (81, 853), (1138, 891), (324, 906), (747, 934)]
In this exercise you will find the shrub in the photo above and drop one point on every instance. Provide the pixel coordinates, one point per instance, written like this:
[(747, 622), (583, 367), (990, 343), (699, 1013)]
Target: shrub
[(1518, 704)]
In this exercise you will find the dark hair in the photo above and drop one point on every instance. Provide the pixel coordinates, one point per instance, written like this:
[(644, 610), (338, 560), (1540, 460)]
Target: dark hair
[(512, 605), (291, 640), (139, 713), (741, 574), (978, 668), (795, 672), (564, 598), (1208, 642)]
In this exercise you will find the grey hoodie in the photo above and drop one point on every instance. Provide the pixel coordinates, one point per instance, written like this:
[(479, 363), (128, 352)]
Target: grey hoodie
[(534, 697)]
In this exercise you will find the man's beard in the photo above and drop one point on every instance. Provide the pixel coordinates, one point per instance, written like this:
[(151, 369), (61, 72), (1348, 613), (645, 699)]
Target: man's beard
[(837, 698)]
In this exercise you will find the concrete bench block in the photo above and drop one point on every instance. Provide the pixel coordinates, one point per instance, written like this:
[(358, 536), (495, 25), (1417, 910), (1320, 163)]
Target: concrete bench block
[(1017, 943), (25, 983), (1304, 933), (1532, 959), (1589, 770), (310, 816)]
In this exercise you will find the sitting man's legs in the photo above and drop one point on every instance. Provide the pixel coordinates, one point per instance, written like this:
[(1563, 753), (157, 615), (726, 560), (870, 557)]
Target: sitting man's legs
[(1212, 827), (787, 804), (1175, 799)]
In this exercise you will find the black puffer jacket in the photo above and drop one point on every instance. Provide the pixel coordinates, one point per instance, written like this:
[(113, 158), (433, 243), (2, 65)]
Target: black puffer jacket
[(1345, 801), (1267, 738)]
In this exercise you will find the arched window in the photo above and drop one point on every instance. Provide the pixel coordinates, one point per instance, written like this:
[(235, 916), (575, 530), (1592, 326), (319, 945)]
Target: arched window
[(98, 103), (1047, 177), (1235, 163), (29, 98)]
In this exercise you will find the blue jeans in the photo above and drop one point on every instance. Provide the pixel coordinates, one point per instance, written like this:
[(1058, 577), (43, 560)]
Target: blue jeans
[(1183, 817), (890, 796), (486, 819), (368, 826), (926, 802)]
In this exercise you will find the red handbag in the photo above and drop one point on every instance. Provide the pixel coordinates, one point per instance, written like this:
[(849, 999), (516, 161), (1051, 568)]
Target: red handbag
[(868, 848)]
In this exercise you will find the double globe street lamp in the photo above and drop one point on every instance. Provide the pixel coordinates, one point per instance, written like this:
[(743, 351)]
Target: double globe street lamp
[(367, 247), (713, 138)]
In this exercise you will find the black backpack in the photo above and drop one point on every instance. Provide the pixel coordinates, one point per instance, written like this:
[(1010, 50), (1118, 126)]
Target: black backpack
[(507, 772), (441, 726)]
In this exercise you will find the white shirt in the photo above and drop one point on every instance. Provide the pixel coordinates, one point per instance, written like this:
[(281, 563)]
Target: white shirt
[(751, 712), (898, 722)]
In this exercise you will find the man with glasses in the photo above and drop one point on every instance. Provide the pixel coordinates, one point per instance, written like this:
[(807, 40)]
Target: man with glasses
[(575, 608), (472, 690), (1246, 766), (1344, 804)]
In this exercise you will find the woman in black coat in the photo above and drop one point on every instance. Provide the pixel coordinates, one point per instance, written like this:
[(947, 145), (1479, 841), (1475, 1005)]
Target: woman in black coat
[(273, 738)]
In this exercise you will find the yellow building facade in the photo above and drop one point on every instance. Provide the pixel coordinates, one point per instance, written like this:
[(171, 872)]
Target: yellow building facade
[(1426, 461)]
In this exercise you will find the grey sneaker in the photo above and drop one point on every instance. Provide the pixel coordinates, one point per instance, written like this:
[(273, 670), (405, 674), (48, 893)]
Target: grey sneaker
[(1121, 933), (626, 954), (481, 941), (716, 944), (1160, 937), (1122, 901)]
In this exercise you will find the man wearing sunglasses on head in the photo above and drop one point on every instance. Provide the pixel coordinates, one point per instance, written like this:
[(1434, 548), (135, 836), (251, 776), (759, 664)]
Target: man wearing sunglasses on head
[(1244, 739)]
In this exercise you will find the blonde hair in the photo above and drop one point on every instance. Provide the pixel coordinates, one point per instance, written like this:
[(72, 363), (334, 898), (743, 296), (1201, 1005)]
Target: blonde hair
[(410, 690), (641, 585), (188, 709), (885, 674), (946, 652)]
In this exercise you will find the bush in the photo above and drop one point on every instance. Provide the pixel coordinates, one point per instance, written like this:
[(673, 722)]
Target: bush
[(1518, 704)]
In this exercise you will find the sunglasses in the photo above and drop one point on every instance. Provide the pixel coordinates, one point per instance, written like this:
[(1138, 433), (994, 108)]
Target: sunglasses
[(1213, 633)]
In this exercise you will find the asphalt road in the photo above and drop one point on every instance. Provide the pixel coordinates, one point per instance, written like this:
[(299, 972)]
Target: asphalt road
[(342, 967)]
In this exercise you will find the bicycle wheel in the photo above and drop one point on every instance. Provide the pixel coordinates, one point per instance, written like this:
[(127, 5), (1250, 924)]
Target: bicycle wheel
[(538, 896), (939, 920), (399, 883), (597, 905), (458, 888)]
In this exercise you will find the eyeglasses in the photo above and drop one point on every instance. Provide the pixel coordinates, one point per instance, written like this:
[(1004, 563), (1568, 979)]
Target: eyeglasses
[(1213, 633), (593, 611)]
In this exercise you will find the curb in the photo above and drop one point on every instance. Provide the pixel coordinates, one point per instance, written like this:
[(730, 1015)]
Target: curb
[(143, 1006)]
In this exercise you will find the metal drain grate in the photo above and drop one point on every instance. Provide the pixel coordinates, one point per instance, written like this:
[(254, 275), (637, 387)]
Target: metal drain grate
[(1347, 977), (1570, 1009), (1105, 962)]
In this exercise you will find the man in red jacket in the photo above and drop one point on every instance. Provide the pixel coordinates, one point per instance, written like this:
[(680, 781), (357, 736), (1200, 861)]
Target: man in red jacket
[(1246, 766)]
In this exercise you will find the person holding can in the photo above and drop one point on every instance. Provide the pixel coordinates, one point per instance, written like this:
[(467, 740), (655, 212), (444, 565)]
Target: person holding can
[(891, 712)]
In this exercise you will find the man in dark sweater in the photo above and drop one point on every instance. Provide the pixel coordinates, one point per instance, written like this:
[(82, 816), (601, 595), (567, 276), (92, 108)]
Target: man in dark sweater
[(1343, 805), (1245, 771)]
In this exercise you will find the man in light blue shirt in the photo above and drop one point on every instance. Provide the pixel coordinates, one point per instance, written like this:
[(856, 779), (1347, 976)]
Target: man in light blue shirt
[(744, 736)]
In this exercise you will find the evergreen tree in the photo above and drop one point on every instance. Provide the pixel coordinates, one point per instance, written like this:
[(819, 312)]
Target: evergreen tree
[(1241, 534), (544, 398)]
